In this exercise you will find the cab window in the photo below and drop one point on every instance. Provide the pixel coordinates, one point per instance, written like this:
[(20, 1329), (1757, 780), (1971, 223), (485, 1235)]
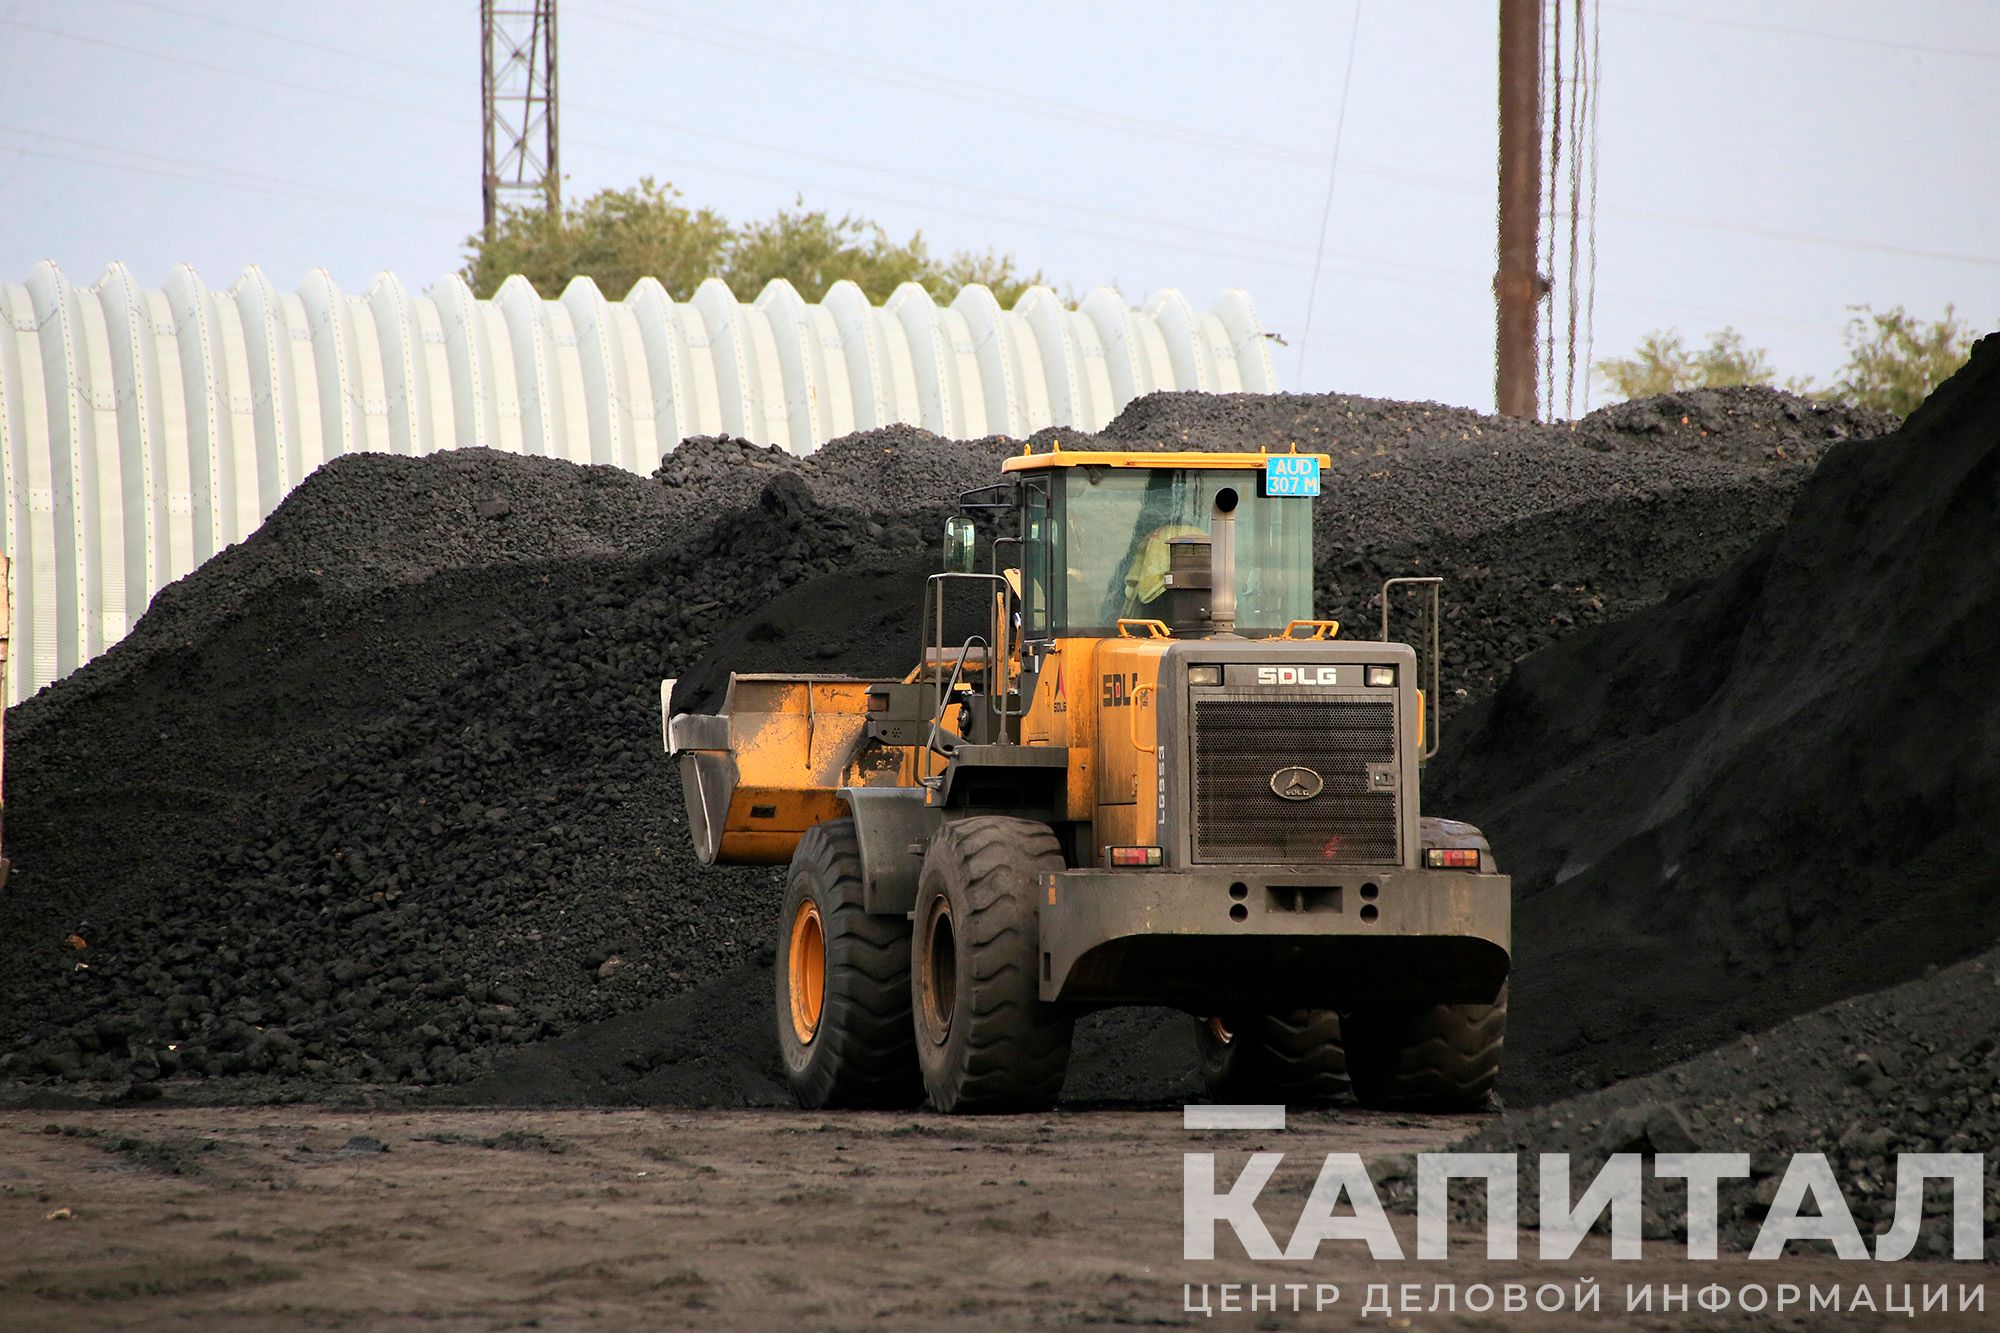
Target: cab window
[(1103, 547)]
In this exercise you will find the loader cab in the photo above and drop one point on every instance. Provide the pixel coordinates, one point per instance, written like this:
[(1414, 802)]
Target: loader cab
[(1110, 547), (1102, 534)]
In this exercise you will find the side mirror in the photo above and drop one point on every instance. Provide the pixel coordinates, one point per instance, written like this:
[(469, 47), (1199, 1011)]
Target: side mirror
[(958, 545)]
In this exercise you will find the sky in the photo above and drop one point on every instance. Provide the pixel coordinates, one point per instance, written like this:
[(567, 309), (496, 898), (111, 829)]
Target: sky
[(1765, 166)]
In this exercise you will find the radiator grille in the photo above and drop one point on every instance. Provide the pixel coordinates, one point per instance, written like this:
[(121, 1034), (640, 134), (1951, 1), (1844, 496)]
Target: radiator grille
[(1242, 738)]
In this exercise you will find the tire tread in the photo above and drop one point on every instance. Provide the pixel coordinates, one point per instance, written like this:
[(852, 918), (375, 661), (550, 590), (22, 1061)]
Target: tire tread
[(1015, 1049), (870, 1056), (1297, 1058), (1445, 1057)]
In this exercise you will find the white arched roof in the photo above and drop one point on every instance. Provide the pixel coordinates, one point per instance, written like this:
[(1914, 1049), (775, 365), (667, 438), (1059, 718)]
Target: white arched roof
[(144, 429)]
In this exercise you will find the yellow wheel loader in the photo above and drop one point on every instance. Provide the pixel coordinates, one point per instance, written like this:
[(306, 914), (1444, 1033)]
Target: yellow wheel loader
[(1151, 778)]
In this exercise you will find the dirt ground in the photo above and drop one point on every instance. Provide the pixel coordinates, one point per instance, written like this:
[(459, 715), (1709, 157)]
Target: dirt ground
[(309, 1217)]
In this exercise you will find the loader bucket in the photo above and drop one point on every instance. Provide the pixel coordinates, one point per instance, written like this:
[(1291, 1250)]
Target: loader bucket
[(769, 766)]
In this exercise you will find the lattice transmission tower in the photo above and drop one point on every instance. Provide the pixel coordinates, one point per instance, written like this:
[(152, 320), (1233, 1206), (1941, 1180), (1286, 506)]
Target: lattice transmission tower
[(517, 80)]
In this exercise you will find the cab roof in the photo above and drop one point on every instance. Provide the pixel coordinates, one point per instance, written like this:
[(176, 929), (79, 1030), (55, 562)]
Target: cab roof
[(1192, 458)]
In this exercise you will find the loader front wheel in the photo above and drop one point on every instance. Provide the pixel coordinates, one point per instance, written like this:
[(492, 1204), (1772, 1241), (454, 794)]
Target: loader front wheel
[(842, 983), (1295, 1058), (1445, 1057), (985, 1041)]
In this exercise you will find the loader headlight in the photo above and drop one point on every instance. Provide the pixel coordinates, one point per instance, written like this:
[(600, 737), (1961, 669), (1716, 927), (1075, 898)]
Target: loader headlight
[(1382, 675), (1210, 674)]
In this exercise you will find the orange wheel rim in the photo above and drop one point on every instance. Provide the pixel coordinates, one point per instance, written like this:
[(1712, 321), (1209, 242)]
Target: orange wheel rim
[(807, 966), (940, 970)]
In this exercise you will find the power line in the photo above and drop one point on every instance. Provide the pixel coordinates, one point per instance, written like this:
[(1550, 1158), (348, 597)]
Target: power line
[(825, 60), (182, 175), (738, 141), (210, 67), (788, 182), (1886, 43), (1364, 267), (305, 43), (1040, 102), (940, 182), (1261, 243), (934, 206), (195, 172), (1551, 74), (1012, 102), (183, 169), (1326, 209), (1582, 123), (1808, 238), (1590, 297), (1433, 180), (1731, 316)]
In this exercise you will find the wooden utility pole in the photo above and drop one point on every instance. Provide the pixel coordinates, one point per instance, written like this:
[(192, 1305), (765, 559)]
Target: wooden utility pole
[(1518, 283)]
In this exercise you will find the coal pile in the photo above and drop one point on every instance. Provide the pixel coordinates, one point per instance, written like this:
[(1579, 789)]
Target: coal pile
[(1748, 426), (1910, 1069), (1770, 792), (1754, 426), (1537, 529), (484, 858), (376, 797)]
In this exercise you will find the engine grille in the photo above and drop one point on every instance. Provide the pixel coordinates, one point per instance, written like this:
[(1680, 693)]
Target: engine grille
[(1242, 738)]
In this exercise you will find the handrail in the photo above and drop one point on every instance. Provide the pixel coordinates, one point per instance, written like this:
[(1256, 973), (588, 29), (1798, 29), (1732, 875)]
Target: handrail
[(1321, 629), (998, 642), (944, 701), (1156, 629), (1434, 723)]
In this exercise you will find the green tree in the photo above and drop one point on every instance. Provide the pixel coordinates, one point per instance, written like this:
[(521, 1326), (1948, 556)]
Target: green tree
[(1664, 363), (812, 250), (990, 267), (1895, 359), (1660, 364), (617, 237), (1727, 362)]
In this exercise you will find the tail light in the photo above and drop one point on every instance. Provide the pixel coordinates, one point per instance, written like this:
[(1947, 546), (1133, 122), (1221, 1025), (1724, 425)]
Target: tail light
[(1452, 858), (1132, 856)]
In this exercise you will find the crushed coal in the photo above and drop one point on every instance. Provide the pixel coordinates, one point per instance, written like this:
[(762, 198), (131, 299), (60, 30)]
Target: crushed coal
[(714, 1046), (375, 799), (1911, 1069), (1769, 792)]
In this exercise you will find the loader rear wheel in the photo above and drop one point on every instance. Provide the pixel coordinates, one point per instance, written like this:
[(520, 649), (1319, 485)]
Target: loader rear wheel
[(842, 983), (1294, 1058), (985, 1041), (1441, 1058)]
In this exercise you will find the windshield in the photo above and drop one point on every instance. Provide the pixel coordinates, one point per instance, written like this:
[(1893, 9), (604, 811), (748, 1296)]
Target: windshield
[(1109, 546)]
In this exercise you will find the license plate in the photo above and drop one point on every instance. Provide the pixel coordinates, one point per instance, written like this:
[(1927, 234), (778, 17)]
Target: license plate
[(1291, 474)]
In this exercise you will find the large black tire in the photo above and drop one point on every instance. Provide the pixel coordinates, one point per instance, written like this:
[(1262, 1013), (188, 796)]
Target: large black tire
[(1441, 1058), (985, 1041), (855, 1046), (1297, 1058)]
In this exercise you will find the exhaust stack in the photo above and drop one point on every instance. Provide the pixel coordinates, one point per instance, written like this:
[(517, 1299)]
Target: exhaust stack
[(1222, 539)]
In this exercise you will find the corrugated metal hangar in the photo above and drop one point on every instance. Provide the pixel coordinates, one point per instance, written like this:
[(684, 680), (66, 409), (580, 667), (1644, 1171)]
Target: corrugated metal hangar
[(143, 429)]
